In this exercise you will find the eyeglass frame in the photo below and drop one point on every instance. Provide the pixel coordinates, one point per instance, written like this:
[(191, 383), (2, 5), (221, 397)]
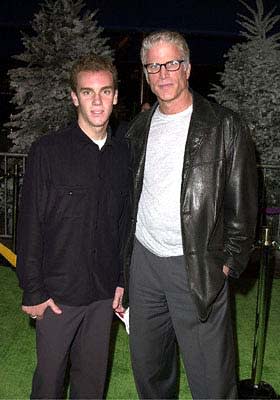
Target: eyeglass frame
[(164, 64)]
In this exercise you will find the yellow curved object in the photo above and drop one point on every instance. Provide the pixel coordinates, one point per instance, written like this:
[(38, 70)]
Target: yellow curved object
[(8, 254)]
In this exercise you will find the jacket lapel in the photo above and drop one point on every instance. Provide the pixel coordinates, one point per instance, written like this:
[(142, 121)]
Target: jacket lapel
[(201, 120), (138, 135)]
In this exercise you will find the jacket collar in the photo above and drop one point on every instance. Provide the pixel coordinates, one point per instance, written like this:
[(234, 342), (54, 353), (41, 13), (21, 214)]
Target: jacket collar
[(201, 121), (81, 139)]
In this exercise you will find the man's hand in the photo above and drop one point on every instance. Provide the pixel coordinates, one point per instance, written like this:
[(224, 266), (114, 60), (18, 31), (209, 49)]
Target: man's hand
[(226, 270), (38, 310), (117, 302)]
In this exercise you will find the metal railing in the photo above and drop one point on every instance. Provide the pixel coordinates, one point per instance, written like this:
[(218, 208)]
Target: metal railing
[(255, 387), (269, 199), (12, 168)]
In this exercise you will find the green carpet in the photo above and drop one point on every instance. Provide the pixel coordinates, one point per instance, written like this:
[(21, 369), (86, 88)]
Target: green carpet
[(17, 351)]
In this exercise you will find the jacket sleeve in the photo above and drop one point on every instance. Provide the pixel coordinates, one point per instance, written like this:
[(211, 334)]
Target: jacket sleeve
[(125, 218), (240, 213), (30, 235)]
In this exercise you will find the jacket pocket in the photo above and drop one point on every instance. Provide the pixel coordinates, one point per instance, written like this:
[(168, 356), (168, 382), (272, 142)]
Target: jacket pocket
[(70, 202)]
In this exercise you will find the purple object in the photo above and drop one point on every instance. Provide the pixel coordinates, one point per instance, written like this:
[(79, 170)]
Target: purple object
[(271, 210)]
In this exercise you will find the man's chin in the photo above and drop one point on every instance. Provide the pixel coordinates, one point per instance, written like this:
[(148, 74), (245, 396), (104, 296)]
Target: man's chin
[(166, 98), (98, 124)]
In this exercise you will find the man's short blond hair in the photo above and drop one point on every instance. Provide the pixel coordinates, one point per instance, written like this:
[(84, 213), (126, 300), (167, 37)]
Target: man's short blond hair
[(92, 62)]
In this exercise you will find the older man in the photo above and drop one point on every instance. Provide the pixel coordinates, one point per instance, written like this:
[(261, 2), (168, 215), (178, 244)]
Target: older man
[(194, 215)]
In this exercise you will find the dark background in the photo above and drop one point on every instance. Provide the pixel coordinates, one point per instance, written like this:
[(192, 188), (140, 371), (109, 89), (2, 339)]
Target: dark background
[(209, 26)]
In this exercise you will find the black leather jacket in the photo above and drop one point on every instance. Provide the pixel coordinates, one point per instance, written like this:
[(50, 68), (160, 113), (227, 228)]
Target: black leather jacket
[(218, 197)]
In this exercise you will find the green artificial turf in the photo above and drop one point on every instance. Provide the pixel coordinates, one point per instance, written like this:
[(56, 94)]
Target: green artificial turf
[(17, 343)]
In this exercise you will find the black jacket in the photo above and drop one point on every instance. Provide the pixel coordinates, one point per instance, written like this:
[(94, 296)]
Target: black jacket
[(218, 197), (73, 219)]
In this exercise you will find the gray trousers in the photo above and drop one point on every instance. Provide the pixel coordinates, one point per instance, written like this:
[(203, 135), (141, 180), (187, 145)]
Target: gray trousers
[(81, 334), (162, 313)]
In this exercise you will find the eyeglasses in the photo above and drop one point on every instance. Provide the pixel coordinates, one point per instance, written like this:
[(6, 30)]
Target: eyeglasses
[(154, 68)]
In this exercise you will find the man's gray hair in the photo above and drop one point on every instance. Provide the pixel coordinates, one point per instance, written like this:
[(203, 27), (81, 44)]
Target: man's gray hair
[(165, 36)]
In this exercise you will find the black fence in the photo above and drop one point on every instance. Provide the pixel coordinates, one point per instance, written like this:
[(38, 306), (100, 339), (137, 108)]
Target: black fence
[(12, 168)]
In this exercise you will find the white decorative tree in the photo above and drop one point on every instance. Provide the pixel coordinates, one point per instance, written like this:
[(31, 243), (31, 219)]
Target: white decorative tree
[(62, 33), (250, 83)]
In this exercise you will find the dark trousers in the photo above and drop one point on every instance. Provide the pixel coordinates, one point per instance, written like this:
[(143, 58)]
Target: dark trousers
[(161, 313), (81, 334)]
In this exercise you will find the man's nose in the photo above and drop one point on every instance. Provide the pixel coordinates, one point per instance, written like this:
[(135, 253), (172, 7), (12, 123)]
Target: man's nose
[(163, 71), (96, 99)]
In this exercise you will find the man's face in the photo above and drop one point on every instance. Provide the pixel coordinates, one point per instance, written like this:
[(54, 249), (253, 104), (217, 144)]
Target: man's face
[(170, 87), (94, 98)]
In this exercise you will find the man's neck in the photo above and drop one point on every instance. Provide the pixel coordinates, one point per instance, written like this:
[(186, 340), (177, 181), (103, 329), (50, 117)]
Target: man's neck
[(95, 133), (177, 105)]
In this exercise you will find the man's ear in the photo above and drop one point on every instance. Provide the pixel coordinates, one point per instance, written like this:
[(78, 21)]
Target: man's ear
[(146, 76), (115, 99), (188, 70), (75, 99)]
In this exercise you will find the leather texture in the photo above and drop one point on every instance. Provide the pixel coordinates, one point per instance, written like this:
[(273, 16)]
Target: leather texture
[(218, 197)]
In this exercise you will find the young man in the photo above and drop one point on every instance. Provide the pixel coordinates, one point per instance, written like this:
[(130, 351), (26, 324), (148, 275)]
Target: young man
[(71, 230), (194, 216)]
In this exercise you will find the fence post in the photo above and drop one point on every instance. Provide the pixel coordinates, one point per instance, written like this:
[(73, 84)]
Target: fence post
[(255, 388), (15, 206)]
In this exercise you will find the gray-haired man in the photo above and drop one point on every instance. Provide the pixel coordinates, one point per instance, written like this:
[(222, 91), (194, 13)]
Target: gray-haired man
[(194, 217)]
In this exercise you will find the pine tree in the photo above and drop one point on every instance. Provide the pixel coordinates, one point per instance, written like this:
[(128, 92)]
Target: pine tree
[(250, 83), (41, 86)]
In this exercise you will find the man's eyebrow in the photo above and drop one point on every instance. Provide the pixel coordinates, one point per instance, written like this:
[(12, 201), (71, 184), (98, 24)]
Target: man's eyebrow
[(107, 87), (102, 88), (86, 88)]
